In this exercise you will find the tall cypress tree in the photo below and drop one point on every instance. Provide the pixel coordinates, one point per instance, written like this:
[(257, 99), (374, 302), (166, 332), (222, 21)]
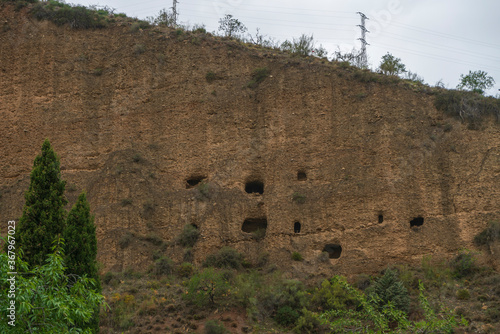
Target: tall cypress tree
[(43, 216), (81, 249)]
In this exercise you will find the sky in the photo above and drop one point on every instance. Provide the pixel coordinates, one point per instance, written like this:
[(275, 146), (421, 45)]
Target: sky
[(437, 39)]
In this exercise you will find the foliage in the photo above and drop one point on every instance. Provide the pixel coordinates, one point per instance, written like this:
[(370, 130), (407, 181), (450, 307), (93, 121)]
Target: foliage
[(464, 264), (258, 75), (231, 27), (43, 216), (286, 316), (409, 75), (299, 198), (188, 236), (389, 288), (77, 17), (165, 18), (303, 47), (331, 295), (296, 256), (210, 76), (489, 235), (163, 266), (186, 269), (468, 106), (391, 65), (347, 59), (207, 287), (226, 257), (81, 247), (215, 327), (47, 300), (477, 81)]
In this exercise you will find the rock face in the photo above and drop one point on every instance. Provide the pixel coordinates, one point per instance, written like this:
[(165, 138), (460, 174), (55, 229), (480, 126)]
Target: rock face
[(311, 159)]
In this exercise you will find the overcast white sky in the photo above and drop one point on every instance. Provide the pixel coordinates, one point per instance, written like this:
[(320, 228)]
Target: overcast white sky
[(437, 39)]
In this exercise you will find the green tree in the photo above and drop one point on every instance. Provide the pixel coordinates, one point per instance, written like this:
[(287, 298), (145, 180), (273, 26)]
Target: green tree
[(391, 65), (43, 216), (389, 288), (46, 300), (207, 287), (81, 248), (477, 81), (231, 26)]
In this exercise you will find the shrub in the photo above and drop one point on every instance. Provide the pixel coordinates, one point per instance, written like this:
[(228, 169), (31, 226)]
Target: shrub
[(126, 201), (215, 327), (188, 236), (125, 240), (332, 296), (296, 256), (210, 76), (258, 75), (139, 49), (299, 198), (286, 316), (468, 106), (226, 257), (207, 287), (163, 266), (463, 264), (488, 235), (186, 269), (77, 17)]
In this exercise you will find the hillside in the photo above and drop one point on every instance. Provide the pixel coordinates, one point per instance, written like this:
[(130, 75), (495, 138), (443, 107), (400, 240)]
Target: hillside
[(367, 170)]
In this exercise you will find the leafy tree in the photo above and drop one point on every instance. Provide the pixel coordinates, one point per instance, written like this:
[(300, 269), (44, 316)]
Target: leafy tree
[(391, 65), (81, 247), (43, 216), (207, 287), (46, 299), (477, 81), (231, 26)]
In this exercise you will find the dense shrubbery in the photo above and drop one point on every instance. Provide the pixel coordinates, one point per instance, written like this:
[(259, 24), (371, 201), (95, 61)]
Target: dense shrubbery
[(226, 257), (468, 106), (77, 17), (188, 236)]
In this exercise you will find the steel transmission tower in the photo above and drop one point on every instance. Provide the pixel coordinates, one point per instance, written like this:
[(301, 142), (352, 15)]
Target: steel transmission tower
[(174, 11), (363, 57)]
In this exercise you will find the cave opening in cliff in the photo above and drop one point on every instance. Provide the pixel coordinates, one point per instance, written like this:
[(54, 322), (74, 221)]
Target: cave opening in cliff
[(301, 176), (334, 250), (254, 187), (194, 181), (380, 219), (419, 221), (296, 227), (255, 225)]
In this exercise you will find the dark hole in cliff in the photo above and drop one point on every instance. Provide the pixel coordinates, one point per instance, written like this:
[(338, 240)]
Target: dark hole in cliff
[(296, 227), (333, 250), (254, 187), (301, 176), (419, 221), (380, 219), (194, 181), (254, 225)]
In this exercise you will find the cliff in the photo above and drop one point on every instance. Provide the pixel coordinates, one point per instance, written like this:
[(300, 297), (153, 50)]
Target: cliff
[(370, 172)]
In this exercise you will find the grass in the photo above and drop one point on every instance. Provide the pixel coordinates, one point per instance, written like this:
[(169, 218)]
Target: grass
[(258, 76)]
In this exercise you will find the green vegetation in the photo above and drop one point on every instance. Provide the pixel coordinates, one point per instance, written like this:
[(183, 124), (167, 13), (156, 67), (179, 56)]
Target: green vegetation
[(188, 236), (231, 27), (226, 257), (391, 65), (477, 81), (44, 217), (298, 198), (77, 17), (47, 300), (81, 248), (215, 327), (296, 256), (303, 47), (258, 75), (210, 76), (489, 235)]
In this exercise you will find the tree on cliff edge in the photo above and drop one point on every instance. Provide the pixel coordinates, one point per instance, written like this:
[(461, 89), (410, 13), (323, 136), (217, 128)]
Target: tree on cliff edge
[(43, 216), (81, 249)]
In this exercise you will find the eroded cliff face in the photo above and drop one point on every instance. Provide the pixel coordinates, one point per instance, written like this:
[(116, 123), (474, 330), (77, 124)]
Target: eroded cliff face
[(372, 171)]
